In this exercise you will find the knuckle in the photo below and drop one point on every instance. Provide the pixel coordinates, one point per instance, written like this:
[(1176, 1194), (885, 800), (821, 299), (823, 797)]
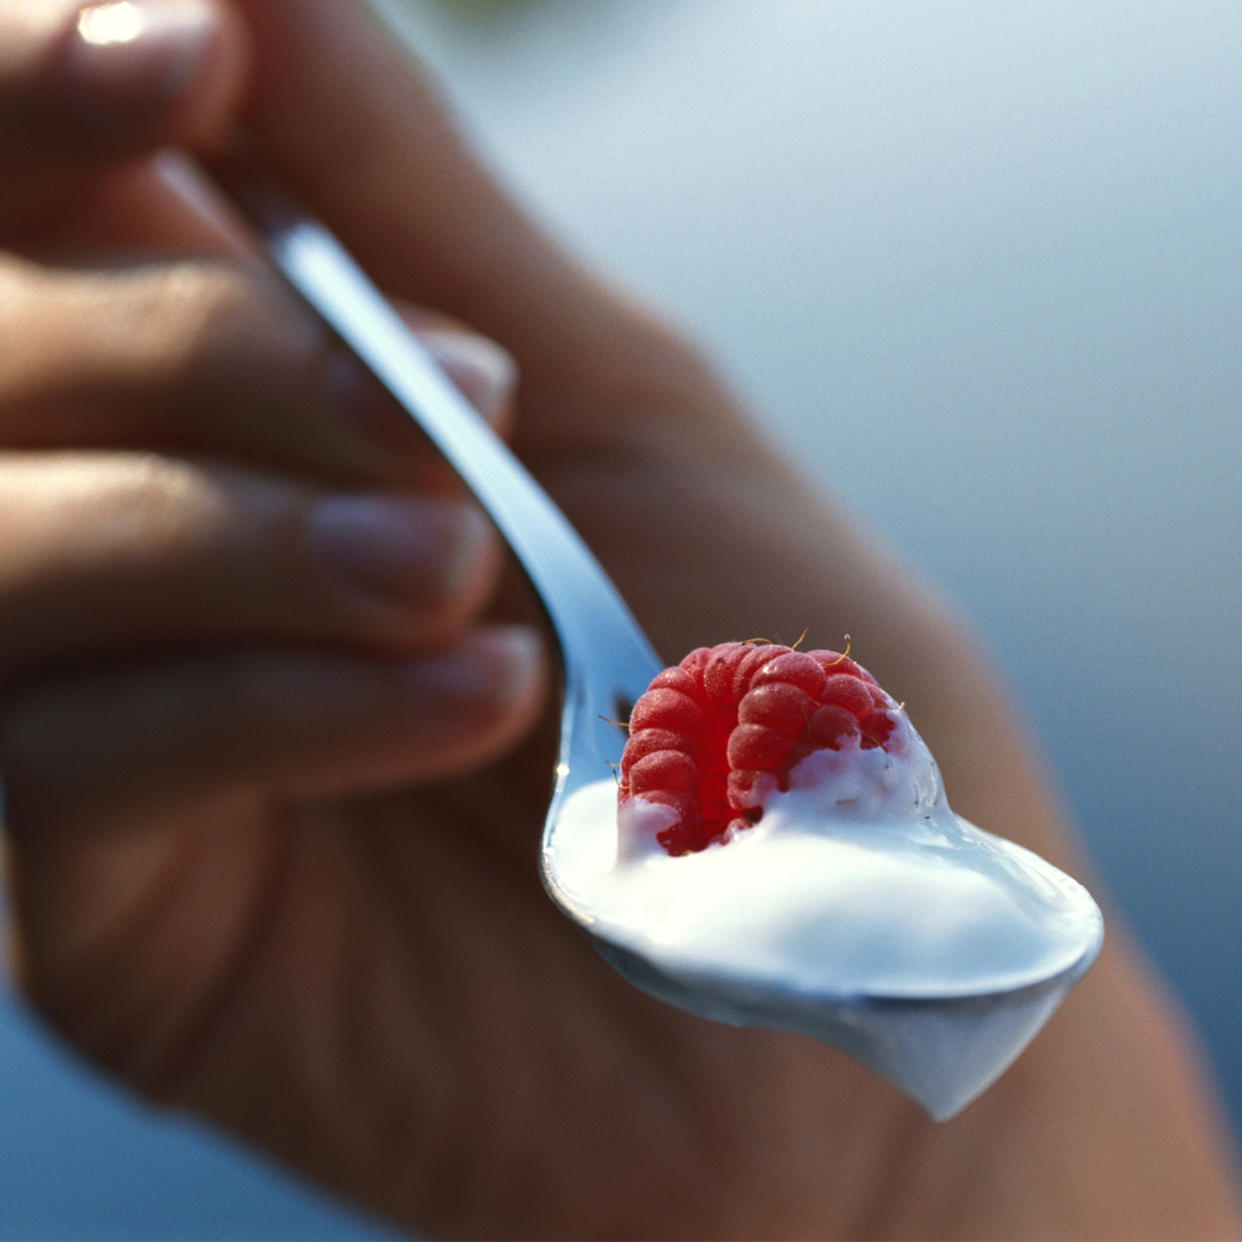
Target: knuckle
[(161, 507), (188, 542), (240, 322), (108, 525), (208, 528), (183, 313), (210, 332), (180, 339)]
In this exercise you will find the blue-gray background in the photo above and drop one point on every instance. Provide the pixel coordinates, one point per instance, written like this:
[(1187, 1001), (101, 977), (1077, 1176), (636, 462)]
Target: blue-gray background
[(978, 266)]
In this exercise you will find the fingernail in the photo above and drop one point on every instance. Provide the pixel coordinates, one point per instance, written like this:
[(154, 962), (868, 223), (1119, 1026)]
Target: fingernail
[(395, 550), (129, 55), (484, 371), (500, 664)]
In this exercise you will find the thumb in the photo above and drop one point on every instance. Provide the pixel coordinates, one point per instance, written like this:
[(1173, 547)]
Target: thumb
[(85, 85), (347, 119)]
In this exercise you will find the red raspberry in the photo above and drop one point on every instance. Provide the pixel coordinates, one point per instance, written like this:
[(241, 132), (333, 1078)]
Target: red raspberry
[(712, 734)]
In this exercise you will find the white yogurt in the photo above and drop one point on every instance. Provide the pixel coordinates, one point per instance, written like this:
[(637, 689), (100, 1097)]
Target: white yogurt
[(857, 897)]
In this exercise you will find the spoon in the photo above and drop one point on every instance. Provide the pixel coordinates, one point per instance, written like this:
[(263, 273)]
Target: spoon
[(941, 1043), (607, 660)]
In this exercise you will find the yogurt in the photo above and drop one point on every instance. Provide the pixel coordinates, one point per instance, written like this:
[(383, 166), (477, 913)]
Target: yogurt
[(859, 909)]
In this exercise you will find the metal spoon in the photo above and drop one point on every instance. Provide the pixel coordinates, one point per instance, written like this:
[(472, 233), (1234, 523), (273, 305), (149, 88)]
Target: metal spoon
[(939, 1047)]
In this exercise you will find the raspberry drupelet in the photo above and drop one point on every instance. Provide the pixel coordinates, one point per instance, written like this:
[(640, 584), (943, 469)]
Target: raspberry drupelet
[(714, 734)]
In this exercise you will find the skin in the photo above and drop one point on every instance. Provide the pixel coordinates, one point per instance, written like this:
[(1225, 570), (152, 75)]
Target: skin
[(271, 837)]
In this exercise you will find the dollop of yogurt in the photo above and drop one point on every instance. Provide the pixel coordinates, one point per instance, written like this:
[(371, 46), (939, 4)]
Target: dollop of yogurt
[(859, 909)]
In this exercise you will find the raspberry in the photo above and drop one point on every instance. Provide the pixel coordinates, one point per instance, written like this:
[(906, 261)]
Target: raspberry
[(716, 733)]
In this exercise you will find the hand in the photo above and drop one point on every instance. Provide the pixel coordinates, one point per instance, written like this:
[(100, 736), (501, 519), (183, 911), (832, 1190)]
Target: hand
[(249, 876)]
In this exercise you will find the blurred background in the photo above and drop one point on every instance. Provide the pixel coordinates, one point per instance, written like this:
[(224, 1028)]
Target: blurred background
[(977, 264)]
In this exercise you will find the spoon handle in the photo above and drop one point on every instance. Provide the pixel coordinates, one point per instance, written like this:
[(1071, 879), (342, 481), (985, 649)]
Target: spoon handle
[(581, 601)]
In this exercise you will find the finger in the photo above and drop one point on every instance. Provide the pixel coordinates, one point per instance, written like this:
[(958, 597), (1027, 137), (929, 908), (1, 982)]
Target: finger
[(137, 747), (85, 85), (149, 210), (212, 358), (114, 552)]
